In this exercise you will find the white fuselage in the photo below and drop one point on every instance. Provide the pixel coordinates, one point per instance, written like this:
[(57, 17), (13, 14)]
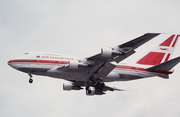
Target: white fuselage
[(46, 64)]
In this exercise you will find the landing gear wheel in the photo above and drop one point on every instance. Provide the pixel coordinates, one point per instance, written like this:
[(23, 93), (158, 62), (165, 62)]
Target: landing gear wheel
[(100, 86), (30, 80), (93, 81), (91, 78), (98, 83)]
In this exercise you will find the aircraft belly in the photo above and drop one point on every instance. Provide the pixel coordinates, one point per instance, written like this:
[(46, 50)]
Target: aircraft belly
[(115, 75), (126, 75), (43, 70), (112, 76), (69, 76)]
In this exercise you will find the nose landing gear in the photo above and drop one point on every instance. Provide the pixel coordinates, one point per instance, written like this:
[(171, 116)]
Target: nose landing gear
[(30, 79)]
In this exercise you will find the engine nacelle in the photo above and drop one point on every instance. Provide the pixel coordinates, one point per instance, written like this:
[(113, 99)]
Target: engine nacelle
[(67, 87), (106, 52), (90, 91), (73, 64)]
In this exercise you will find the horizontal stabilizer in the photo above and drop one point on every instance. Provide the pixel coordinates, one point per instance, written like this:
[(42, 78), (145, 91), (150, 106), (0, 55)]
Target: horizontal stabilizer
[(165, 66), (112, 88)]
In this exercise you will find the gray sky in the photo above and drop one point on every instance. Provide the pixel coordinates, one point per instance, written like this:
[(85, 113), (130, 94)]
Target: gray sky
[(81, 28)]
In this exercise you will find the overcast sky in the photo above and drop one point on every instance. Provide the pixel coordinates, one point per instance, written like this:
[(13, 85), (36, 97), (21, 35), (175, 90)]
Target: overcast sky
[(81, 28)]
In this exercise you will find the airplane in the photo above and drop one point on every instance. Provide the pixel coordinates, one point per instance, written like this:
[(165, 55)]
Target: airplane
[(93, 72)]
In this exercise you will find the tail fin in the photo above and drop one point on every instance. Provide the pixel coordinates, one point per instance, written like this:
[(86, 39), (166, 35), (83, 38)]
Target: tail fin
[(162, 53)]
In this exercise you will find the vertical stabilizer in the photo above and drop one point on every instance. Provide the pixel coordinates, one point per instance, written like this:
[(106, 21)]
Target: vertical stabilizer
[(161, 53)]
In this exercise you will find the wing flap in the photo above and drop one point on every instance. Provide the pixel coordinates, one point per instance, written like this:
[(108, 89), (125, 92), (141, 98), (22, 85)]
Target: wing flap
[(106, 69), (122, 57)]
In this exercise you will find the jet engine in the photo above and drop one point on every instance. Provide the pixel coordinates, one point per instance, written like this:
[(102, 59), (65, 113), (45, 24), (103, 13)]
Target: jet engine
[(74, 64), (90, 91), (69, 87), (108, 52)]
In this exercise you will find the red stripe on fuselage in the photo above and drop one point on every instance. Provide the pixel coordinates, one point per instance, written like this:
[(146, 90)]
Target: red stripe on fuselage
[(52, 62), (37, 61)]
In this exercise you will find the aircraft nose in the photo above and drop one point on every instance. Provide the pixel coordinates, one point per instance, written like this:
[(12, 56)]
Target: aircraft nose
[(10, 62)]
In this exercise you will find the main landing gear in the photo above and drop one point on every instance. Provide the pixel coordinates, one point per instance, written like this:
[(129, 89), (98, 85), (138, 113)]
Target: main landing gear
[(99, 86), (97, 83), (92, 79), (30, 79)]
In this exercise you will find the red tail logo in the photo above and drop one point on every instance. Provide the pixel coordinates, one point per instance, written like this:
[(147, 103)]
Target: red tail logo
[(160, 54), (163, 48)]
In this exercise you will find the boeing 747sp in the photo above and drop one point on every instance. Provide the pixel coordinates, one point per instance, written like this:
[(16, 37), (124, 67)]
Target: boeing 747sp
[(94, 71)]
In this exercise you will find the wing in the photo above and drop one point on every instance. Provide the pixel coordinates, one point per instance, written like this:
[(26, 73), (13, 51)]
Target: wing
[(102, 66), (125, 49)]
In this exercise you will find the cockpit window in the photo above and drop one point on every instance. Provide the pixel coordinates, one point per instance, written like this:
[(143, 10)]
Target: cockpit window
[(25, 53)]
